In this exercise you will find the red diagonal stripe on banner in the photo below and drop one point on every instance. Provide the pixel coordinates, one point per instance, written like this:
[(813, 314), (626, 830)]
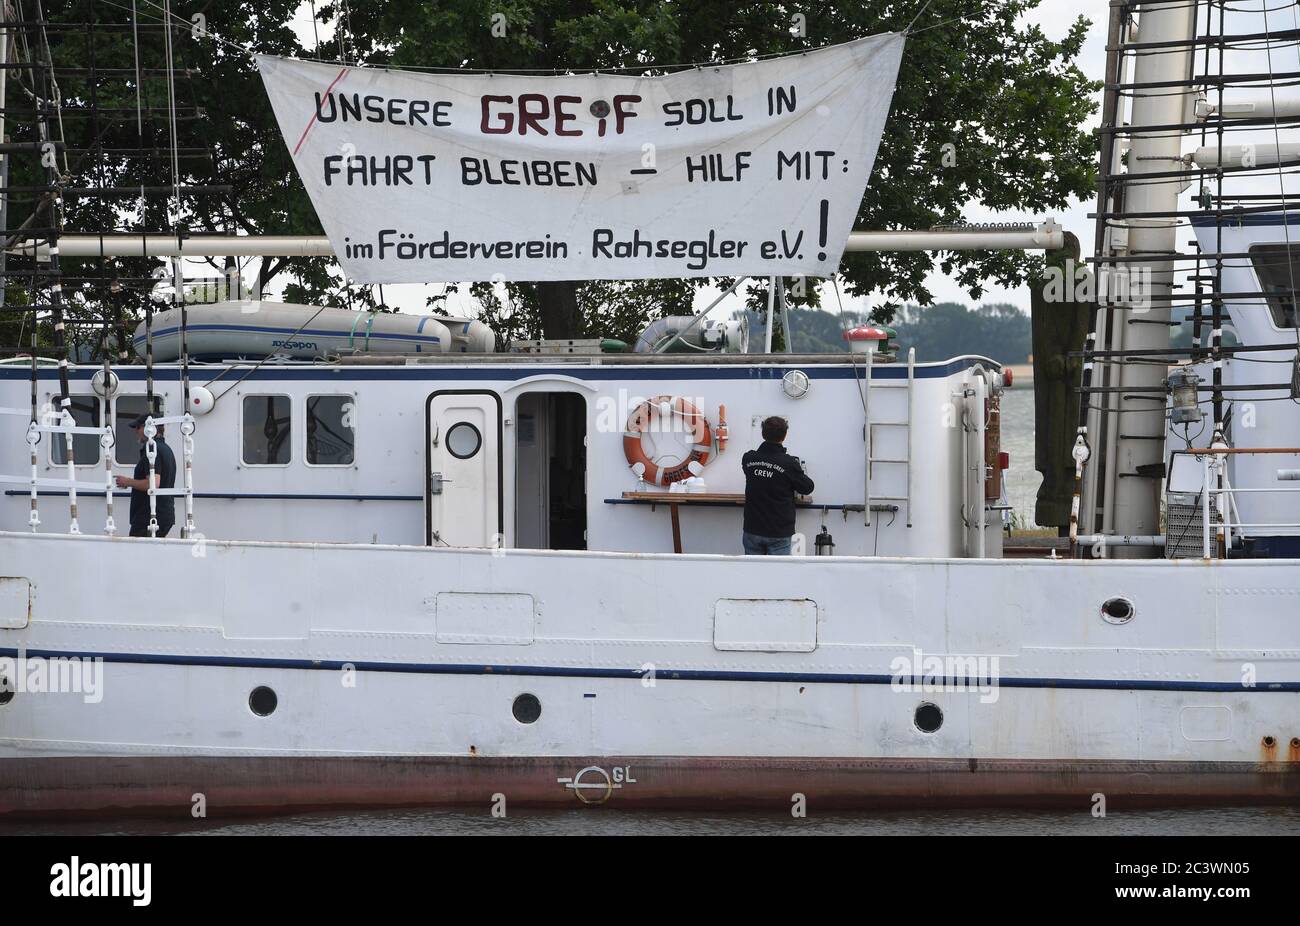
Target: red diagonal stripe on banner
[(312, 122)]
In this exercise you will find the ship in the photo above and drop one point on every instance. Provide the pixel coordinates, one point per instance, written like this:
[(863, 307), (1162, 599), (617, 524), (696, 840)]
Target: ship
[(416, 569)]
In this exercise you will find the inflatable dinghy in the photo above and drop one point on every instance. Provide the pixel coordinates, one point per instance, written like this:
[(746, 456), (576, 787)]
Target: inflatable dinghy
[(229, 330)]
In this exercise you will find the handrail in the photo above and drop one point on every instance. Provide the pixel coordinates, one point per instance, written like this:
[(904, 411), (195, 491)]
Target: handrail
[(1216, 451)]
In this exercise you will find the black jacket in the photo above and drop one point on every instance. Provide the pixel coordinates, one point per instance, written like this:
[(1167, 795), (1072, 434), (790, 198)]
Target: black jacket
[(165, 467), (772, 478)]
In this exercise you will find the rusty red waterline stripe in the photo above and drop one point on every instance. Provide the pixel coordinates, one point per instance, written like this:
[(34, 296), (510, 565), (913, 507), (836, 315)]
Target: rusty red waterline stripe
[(303, 138)]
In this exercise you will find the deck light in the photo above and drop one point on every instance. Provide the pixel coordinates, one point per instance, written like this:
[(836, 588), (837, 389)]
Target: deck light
[(1182, 387)]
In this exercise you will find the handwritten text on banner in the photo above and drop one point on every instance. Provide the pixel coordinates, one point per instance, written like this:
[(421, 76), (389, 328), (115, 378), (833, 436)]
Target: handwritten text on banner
[(748, 169)]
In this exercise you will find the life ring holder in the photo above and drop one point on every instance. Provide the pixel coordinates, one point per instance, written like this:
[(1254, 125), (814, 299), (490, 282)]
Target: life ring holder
[(705, 443)]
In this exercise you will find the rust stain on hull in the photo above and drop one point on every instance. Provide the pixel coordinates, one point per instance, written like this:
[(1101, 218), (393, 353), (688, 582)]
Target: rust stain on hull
[(44, 788), (1268, 749)]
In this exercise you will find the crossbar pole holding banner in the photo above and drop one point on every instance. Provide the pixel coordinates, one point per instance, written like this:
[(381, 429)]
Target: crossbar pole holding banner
[(771, 300), (785, 315), (1046, 235)]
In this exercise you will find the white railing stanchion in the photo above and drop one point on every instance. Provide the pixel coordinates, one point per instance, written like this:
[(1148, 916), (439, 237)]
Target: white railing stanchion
[(108, 444), (1205, 507), (33, 438), (67, 424), (187, 450), (151, 454), (866, 438)]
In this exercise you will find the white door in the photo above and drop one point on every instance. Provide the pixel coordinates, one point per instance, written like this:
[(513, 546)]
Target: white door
[(463, 476)]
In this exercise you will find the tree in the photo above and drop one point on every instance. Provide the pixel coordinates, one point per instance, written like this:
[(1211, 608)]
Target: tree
[(986, 109), (946, 329), (1009, 102), (118, 135)]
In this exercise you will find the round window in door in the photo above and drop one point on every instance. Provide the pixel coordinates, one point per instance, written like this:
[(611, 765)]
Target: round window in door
[(463, 440)]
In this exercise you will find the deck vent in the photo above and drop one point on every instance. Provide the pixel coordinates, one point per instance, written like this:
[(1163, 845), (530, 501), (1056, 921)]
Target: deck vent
[(1184, 534), (1185, 509)]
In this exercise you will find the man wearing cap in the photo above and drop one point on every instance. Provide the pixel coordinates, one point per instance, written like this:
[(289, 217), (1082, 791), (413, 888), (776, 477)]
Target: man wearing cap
[(772, 479), (164, 477)]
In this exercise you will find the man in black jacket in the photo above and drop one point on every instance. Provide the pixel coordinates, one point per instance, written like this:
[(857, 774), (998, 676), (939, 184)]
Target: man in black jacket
[(164, 477), (772, 479)]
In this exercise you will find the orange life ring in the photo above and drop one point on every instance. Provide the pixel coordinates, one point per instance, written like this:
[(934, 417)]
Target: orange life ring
[(704, 443)]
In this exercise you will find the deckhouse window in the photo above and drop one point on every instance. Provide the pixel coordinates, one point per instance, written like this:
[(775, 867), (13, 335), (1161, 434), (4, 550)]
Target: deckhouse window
[(1278, 269), (266, 430), (331, 430), (126, 408), (85, 447)]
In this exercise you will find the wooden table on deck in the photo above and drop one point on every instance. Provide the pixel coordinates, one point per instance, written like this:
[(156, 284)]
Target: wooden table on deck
[(675, 500)]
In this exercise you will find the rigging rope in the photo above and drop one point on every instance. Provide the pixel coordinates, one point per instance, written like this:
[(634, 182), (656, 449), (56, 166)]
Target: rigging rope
[(637, 69), (42, 65), (178, 287), (1286, 223)]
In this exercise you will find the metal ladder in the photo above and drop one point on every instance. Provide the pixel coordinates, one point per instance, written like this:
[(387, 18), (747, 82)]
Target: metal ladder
[(869, 437)]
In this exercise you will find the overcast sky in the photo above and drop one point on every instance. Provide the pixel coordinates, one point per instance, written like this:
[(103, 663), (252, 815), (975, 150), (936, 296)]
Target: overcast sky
[(1054, 16)]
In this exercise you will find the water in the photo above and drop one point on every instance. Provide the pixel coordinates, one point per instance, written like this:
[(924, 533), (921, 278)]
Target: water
[(605, 821), (1018, 440)]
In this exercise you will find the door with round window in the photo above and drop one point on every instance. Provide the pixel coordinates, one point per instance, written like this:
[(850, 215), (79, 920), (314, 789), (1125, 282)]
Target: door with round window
[(463, 478)]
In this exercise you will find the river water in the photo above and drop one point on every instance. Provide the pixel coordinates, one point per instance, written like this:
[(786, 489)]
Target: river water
[(607, 821), (1018, 440)]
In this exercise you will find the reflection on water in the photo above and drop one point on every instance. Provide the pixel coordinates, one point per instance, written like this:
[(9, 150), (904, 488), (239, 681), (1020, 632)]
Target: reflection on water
[(590, 821)]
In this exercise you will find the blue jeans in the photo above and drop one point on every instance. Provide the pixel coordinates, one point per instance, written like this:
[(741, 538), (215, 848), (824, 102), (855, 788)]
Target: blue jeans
[(758, 545)]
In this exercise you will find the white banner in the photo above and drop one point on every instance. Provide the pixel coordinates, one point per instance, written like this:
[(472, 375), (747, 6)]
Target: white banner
[(752, 169)]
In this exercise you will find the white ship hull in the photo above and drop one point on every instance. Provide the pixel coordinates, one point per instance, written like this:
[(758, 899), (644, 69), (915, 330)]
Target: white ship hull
[(719, 680)]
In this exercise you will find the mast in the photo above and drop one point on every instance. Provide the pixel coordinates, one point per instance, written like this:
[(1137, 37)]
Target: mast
[(1162, 96)]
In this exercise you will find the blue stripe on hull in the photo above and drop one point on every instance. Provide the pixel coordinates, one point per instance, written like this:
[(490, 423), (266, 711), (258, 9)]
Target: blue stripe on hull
[(703, 675)]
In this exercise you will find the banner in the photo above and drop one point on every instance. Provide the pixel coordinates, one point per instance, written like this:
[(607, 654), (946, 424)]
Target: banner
[(752, 169)]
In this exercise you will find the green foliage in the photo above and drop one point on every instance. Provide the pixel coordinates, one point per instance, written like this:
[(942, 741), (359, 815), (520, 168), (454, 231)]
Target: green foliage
[(938, 332), (225, 130), (998, 331), (1010, 101)]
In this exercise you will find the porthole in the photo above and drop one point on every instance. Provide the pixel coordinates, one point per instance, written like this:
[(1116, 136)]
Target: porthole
[(463, 440), (263, 701), (928, 717), (527, 708), (6, 690), (1117, 611)]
